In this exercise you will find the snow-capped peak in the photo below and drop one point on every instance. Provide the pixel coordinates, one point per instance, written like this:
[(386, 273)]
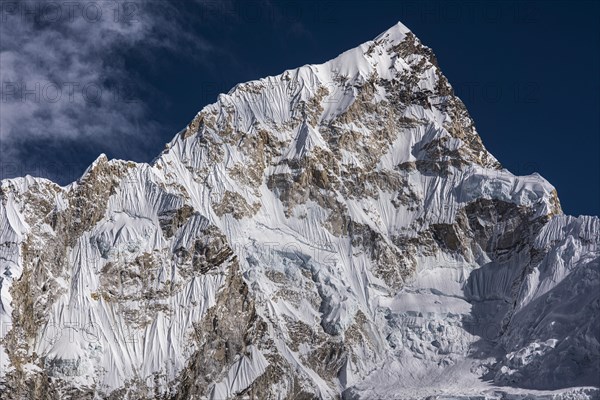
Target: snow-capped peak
[(338, 230)]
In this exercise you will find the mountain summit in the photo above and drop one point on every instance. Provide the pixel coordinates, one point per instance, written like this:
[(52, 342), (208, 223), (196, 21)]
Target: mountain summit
[(336, 231)]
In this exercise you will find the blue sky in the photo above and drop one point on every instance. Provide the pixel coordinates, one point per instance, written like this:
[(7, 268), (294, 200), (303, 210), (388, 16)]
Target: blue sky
[(83, 78)]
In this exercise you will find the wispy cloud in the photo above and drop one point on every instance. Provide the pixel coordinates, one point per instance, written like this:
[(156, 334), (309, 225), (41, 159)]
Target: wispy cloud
[(63, 74)]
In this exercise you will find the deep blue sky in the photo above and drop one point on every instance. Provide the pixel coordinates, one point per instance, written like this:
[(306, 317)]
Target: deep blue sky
[(529, 73)]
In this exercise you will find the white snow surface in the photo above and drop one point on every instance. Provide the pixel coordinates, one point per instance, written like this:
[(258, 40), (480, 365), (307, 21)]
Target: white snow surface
[(461, 325)]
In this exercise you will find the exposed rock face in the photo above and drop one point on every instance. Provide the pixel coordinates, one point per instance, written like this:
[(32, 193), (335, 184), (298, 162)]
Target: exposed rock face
[(337, 231)]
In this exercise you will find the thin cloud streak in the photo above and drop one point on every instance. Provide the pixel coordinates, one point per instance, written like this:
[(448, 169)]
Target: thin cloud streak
[(63, 76)]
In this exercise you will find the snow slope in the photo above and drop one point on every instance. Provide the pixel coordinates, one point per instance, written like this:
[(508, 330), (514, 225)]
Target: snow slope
[(338, 230)]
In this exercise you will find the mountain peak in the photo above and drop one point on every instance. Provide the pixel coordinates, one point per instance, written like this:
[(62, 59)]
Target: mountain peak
[(396, 33), (338, 230)]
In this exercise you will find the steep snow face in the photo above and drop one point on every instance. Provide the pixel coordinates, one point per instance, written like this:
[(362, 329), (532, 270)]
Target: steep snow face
[(336, 230)]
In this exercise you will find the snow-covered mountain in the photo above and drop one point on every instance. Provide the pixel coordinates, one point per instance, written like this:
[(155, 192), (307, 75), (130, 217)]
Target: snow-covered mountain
[(336, 231)]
